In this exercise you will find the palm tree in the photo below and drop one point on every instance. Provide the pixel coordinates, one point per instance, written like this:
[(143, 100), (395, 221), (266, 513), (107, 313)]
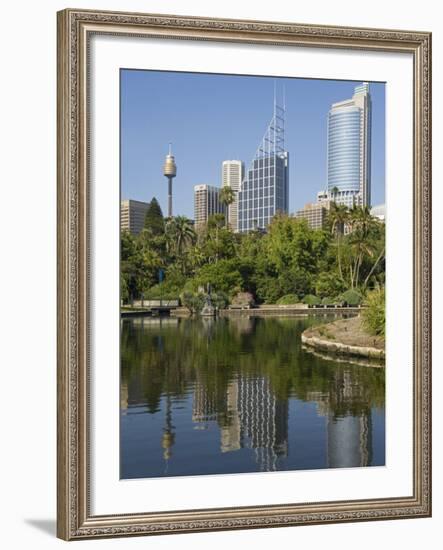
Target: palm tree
[(227, 197), (215, 224), (180, 234), (334, 192), (338, 217), (363, 226)]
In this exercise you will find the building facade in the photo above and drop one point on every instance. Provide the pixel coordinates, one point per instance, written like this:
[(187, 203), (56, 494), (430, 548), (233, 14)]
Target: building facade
[(315, 213), (379, 212), (265, 189), (232, 176), (206, 203), (132, 215), (349, 149)]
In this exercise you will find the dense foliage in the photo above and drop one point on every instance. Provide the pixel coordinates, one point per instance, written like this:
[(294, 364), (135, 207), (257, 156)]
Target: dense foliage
[(374, 317), (289, 262)]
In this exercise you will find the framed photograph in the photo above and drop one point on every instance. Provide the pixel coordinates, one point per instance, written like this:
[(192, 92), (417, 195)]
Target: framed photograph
[(243, 274)]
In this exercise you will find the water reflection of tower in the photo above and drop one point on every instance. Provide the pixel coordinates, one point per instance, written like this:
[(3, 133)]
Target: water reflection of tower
[(204, 404), (349, 442), (259, 421)]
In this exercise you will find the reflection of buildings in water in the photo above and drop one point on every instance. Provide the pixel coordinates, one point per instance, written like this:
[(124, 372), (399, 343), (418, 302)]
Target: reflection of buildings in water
[(205, 405), (258, 420), (249, 416), (230, 432), (349, 436), (349, 441)]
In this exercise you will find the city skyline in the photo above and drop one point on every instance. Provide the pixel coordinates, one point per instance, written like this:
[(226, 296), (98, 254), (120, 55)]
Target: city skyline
[(202, 149)]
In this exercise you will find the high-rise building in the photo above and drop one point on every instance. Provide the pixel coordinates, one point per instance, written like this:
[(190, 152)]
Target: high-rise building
[(265, 189), (232, 176), (349, 149), (132, 215), (206, 203), (315, 213)]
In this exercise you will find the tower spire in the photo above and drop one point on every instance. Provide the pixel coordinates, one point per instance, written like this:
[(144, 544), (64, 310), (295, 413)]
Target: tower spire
[(170, 171)]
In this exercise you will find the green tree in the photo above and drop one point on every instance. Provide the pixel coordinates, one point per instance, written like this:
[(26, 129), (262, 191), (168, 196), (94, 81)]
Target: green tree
[(328, 284), (221, 276), (365, 246), (338, 217), (334, 193), (180, 235), (227, 197), (217, 241), (154, 220)]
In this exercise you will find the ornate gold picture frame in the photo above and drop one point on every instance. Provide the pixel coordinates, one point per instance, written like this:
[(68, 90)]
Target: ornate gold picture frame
[(75, 30)]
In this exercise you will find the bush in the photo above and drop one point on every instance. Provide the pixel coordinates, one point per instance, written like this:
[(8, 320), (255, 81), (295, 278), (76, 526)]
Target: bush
[(163, 291), (288, 299), (219, 300), (328, 284), (311, 300), (328, 301), (351, 298), (374, 316), (194, 302)]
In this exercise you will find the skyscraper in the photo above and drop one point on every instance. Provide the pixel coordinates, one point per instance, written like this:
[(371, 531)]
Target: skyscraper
[(265, 189), (206, 203), (349, 149), (232, 176), (132, 215)]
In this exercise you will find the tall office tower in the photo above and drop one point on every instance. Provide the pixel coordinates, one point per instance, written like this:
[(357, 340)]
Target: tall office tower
[(132, 215), (232, 176), (265, 189), (349, 149), (206, 203)]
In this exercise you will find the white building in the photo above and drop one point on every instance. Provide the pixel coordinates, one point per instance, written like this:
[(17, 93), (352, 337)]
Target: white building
[(379, 212), (232, 176), (206, 203)]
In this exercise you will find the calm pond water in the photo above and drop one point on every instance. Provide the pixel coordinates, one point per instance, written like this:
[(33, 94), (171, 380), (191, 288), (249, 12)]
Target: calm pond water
[(240, 394)]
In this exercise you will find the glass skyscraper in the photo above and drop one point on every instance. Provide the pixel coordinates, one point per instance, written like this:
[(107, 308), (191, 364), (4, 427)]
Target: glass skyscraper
[(349, 149), (265, 189)]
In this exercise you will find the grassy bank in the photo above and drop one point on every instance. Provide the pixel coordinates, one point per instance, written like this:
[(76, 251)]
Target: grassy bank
[(345, 337)]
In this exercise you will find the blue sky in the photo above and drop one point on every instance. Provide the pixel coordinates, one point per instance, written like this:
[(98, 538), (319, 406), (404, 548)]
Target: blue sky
[(211, 118)]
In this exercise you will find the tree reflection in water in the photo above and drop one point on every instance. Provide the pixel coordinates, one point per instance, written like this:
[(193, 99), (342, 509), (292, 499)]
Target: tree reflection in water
[(249, 385)]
